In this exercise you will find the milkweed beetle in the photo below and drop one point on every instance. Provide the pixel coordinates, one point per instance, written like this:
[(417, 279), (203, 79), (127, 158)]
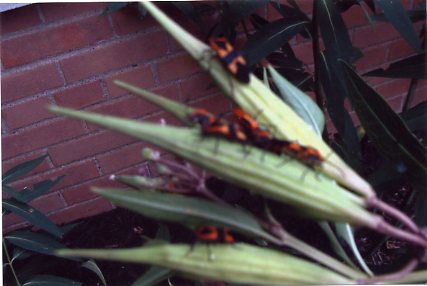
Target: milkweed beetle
[(230, 58), (213, 234), (202, 117)]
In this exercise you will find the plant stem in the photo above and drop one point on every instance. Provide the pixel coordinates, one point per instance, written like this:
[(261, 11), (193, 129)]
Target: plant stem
[(10, 263), (321, 257), (309, 251), (374, 202), (392, 276), (386, 228)]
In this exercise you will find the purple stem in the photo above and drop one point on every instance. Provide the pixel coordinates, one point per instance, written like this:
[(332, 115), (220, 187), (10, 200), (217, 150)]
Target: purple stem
[(393, 276), (374, 202), (384, 227)]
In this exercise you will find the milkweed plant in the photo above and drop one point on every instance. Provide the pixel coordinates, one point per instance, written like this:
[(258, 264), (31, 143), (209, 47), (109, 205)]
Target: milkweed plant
[(326, 189)]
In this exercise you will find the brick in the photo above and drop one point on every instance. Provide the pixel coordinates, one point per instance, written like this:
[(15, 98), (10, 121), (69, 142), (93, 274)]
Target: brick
[(371, 58), (86, 209), (118, 54), (87, 146), (80, 96), (217, 104), (198, 85), (26, 113), (19, 19), (420, 96), (375, 81), (400, 49), (304, 52), (29, 82), (132, 106), (393, 88), (140, 76), (129, 107), (40, 136), (48, 203), (12, 222), (177, 67), (44, 166), (53, 41), (355, 17), (121, 158), (367, 36), (75, 173), (129, 20), (59, 11), (82, 192), (396, 103)]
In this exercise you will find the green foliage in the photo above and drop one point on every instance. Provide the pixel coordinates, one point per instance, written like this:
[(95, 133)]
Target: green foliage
[(26, 244), (277, 191)]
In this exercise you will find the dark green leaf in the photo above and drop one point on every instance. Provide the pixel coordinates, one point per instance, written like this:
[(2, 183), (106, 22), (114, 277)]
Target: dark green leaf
[(396, 14), (345, 232), (92, 266), (33, 216), (343, 6), (142, 11), (411, 67), (334, 32), (371, 5), (186, 210), (13, 193), (271, 37), (36, 242), (19, 253), (114, 7), (333, 83), (416, 117), (40, 189), (21, 169), (153, 276), (421, 209), (295, 13), (186, 8), (385, 128), (335, 243), (50, 280), (237, 10)]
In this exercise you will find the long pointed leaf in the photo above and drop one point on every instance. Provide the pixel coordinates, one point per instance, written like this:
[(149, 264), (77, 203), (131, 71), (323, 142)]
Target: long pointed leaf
[(301, 103), (41, 188), (333, 83), (13, 193), (387, 130), (153, 276), (335, 243), (334, 32), (33, 216), (36, 242), (345, 232), (271, 37), (50, 280), (21, 169), (412, 67), (186, 210), (92, 266), (396, 14)]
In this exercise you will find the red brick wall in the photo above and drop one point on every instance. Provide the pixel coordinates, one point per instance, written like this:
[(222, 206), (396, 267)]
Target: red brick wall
[(68, 54)]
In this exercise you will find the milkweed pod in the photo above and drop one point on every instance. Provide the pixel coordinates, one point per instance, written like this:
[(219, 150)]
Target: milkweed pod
[(238, 263), (255, 97)]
